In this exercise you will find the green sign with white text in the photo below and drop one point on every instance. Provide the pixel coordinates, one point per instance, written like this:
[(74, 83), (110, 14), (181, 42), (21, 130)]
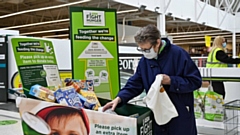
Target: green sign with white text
[(95, 48), (36, 61)]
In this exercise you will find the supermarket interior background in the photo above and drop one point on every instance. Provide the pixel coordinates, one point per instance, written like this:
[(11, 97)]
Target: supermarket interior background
[(190, 24)]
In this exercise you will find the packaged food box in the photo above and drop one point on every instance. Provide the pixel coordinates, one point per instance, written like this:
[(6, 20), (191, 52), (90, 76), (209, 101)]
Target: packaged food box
[(91, 98), (68, 96), (42, 93), (71, 82), (86, 84), (80, 84), (86, 103)]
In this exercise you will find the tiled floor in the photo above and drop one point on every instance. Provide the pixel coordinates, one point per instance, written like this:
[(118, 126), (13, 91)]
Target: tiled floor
[(13, 129), (9, 112)]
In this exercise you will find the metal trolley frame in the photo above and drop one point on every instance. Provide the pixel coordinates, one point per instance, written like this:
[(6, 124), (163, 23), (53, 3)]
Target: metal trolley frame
[(232, 115)]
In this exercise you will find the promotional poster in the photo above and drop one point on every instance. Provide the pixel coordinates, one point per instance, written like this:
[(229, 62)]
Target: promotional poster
[(95, 48), (44, 118), (36, 61)]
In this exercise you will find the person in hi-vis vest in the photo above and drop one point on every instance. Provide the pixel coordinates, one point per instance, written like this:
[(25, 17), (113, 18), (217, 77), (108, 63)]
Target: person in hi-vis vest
[(217, 58)]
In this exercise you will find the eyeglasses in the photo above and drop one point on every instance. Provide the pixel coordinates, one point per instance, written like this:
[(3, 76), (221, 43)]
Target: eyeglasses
[(144, 50)]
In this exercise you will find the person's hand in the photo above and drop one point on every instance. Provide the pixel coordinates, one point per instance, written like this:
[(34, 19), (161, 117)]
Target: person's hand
[(112, 104), (166, 80)]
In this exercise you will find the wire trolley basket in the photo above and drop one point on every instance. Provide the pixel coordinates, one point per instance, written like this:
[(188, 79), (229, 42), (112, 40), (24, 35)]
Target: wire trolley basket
[(232, 115)]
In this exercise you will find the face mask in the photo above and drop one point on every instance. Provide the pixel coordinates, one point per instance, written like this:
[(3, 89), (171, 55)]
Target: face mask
[(152, 54), (224, 44)]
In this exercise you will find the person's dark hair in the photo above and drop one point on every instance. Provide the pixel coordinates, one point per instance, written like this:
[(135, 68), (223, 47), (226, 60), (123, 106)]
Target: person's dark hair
[(60, 114), (149, 33), (63, 113)]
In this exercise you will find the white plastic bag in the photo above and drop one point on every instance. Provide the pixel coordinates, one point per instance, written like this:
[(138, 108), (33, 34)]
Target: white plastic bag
[(159, 102)]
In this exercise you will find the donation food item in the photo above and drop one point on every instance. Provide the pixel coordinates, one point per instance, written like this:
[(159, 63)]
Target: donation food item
[(42, 93), (86, 93), (70, 82), (91, 98), (86, 84), (86, 103), (68, 96), (80, 84), (110, 111)]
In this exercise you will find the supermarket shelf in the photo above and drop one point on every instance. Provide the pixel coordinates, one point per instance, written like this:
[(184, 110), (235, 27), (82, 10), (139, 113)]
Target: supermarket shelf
[(224, 74)]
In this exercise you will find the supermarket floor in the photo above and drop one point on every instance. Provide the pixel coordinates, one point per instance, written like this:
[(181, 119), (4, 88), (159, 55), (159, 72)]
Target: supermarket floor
[(8, 111)]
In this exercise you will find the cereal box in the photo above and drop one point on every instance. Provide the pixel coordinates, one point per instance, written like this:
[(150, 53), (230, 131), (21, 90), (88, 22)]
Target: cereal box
[(68, 96), (91, 98)]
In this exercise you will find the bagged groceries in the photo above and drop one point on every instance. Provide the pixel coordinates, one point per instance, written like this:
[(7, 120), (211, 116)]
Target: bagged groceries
[(208, 105), (198, 103), (213, 106)]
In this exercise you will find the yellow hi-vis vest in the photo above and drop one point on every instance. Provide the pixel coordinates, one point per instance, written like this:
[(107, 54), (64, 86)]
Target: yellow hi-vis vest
[(212, 61), (238, 64)]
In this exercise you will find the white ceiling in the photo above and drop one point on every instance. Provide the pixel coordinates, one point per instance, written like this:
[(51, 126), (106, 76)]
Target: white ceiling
[(24, 13)]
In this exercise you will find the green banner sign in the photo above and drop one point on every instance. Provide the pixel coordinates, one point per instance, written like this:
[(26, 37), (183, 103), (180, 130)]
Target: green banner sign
[(95, 48), (36, 61)]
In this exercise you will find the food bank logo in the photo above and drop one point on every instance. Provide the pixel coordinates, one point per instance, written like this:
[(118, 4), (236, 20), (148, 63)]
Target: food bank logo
[(93, 18)]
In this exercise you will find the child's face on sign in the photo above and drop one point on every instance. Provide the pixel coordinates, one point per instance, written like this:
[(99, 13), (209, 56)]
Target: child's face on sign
[(69, 125)]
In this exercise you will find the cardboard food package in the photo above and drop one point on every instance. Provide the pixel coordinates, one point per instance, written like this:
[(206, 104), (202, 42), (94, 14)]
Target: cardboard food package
[(42, 93)]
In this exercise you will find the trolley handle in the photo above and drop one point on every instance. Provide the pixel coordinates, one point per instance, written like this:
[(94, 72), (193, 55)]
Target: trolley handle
[(228, 103), (16, 93)]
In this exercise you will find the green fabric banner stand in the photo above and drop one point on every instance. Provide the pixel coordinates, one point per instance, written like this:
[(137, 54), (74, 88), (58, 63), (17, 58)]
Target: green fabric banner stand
[(36, 62), (94, 48)]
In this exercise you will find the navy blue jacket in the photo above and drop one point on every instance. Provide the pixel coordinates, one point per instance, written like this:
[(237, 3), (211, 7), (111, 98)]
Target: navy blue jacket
[(185, 78)]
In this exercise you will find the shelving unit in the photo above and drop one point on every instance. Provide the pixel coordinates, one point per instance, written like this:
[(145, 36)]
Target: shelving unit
[(198, 51)]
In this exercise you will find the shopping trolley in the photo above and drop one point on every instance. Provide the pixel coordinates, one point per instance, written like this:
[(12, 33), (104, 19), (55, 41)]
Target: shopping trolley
[(232, 115), (16, 93)]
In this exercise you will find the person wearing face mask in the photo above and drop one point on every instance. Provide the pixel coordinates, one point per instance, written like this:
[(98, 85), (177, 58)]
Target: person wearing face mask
[(217, 58), (180, 78)]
